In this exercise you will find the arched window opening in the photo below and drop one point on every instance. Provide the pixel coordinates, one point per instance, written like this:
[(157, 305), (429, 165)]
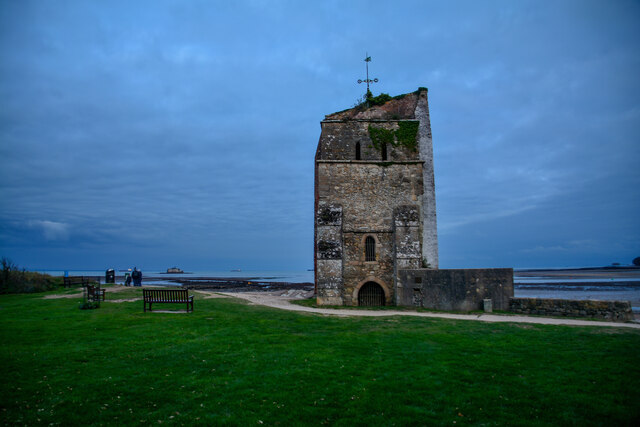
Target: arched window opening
[(371, 295), (358, 151), (384, 151), (369, 249)]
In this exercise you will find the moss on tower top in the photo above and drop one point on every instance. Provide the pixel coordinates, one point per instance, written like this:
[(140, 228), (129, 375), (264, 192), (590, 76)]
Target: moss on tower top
[(382, 107)]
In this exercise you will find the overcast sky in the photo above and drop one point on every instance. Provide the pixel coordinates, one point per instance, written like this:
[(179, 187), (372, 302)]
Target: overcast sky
[(161, 133)]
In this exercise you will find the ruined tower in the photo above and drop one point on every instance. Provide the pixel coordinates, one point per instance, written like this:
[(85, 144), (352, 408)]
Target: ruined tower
[(375, 210)]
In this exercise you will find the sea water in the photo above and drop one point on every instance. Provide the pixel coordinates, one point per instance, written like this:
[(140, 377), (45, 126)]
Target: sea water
[(155, 277), (603, 288)]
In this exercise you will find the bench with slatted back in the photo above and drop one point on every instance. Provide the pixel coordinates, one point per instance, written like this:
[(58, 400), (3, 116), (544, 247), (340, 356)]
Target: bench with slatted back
[(94, 293), (75, 280), (167, 296)]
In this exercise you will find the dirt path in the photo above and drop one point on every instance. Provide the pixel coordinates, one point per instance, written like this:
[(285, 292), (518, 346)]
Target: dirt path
[(210, 294), (282, 300), (78, 293)]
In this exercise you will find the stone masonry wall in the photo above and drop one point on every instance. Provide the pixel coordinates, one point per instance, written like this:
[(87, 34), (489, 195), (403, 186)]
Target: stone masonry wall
[(379, 192), (615, 311), (329, 254), (413, 105), (367, 194), (430, 230), (458, 290), (408, 253), (357, 271), (338, 141)]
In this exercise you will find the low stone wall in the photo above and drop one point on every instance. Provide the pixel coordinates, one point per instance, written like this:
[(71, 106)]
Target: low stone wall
[(458, 289), (614, 311)]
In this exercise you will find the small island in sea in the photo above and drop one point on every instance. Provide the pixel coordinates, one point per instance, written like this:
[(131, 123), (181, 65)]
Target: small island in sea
[(174, 270)]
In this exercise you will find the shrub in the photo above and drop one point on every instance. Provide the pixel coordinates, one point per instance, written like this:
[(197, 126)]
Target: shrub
[(16, 281), (378, 100), (368, 100), (89, 305)]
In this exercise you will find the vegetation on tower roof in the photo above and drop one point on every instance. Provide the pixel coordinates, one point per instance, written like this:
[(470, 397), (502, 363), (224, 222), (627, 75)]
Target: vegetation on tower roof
[(379, 100), (368, 100)]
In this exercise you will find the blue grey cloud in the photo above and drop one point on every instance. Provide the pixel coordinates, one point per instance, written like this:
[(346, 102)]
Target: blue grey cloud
[(167, 132)]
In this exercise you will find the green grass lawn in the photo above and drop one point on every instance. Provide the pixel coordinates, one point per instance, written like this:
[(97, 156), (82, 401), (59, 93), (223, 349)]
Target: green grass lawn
[(237, 364)]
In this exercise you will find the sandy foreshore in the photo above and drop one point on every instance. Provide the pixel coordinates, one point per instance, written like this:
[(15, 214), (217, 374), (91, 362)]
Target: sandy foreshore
[(533, 279), (581, 273), (574, 277), (251, 284), (239, 285)]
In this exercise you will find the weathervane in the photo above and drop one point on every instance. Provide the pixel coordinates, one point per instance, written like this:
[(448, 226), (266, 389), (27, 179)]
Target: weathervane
[(368, 80)]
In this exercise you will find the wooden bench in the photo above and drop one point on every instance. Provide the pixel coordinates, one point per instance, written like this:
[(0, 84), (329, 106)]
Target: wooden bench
[(94, 293), (166, 296), (80, 280), (76, 280)]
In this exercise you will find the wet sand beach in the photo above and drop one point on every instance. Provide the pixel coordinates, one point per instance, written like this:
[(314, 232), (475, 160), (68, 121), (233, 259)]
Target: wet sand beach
[(583, 273), (240, 285)]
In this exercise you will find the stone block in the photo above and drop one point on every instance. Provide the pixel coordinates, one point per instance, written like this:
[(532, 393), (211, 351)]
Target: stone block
[(329, 214), (328, 249), (616, 311)]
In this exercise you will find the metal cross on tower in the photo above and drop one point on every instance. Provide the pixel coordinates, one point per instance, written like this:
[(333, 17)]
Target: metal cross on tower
[(368, 80)]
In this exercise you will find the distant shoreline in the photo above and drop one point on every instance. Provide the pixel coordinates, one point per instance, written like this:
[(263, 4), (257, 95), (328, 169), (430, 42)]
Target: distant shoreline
[(587, 272), (607, 268), (164, 272), (605, 276), (239, 285)]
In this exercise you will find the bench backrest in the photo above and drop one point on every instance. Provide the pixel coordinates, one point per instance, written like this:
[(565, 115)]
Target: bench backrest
[(165, 295), (80, 280)]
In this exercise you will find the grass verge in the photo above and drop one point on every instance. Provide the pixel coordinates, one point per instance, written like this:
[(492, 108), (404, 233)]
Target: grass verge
[(239, 364)]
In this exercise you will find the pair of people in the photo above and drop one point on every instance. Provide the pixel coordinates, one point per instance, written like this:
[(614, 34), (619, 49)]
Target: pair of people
[(136, 276)]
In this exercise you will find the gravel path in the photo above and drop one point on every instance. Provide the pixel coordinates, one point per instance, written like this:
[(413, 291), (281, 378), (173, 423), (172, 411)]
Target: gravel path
[(282, 300)]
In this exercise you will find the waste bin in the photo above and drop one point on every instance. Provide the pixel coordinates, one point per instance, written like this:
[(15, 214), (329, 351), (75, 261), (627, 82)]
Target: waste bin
[(110, 276)]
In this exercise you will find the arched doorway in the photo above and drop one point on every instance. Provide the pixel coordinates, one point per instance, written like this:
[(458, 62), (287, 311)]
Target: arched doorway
[(371, 295)]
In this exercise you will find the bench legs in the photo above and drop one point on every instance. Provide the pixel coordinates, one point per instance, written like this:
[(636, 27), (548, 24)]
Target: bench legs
[(149, 296), (189, 306)]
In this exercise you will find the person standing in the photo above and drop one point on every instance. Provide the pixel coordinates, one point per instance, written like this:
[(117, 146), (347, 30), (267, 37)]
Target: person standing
[(136, 275)]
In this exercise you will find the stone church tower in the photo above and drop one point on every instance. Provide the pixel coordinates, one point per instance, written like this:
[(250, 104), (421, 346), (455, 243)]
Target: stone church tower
[(375, 211)]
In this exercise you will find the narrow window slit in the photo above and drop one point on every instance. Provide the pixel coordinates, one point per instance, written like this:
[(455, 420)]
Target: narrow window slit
[(369, 249)]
